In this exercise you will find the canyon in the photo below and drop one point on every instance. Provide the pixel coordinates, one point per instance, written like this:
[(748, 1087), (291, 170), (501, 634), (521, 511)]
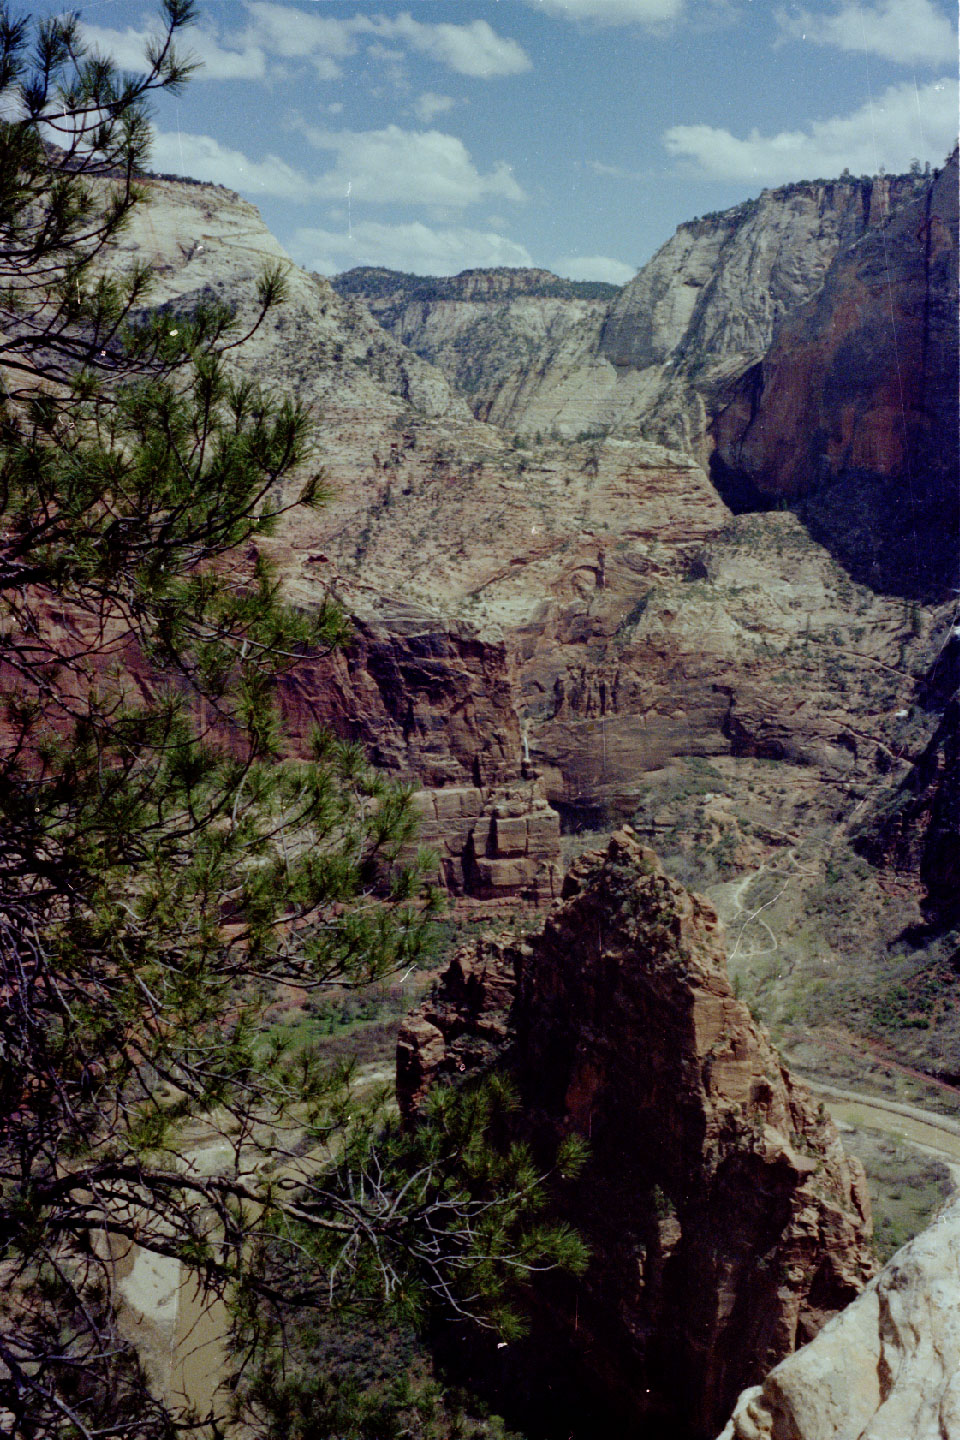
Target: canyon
[(583, 603), (667, 556)]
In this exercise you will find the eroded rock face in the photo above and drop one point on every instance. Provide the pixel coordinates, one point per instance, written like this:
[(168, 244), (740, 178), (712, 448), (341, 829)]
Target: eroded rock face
[(853, 412), (429, 701), (886, 1369), (915, 828), (484, 329), (725, 1221), (591, 603), (493, 844), (204, 241)]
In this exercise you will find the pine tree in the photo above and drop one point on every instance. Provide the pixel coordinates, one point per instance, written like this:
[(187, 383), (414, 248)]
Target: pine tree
[(164, 866)]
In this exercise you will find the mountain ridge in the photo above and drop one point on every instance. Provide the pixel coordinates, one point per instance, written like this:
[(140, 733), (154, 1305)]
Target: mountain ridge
[(659, 362)]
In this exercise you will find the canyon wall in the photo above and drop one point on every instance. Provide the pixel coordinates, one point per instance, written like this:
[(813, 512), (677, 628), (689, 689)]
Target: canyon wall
[(914, 828), (659, 360), (710, 301), (852, 415), (484, 329)]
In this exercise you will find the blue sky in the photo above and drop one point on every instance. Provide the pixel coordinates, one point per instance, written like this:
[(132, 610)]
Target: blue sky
[(435, 135)]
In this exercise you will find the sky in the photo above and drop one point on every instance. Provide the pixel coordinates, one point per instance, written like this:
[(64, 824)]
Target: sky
[(438, 135)]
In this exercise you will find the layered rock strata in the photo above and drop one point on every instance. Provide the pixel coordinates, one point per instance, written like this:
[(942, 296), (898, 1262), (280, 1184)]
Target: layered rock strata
[(493, 844), (888, 1367), (430, 701), (725, 1221), (915, 829), (484, 329)]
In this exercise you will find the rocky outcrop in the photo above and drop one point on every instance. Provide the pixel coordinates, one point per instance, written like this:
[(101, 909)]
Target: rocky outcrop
[(725, 1222), (493, 844), (886, 1368), (430, 701), (852, 415), (915, 829)]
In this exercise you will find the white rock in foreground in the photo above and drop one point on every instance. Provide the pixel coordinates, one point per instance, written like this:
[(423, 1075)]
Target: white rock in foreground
[(887, 1368)]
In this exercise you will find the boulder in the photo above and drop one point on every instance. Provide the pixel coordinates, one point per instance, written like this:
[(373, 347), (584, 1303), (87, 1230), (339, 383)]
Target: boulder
[(887, 1368)]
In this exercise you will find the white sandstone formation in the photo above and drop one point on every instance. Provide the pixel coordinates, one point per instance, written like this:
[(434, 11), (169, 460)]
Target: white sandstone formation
[(887, 1368)]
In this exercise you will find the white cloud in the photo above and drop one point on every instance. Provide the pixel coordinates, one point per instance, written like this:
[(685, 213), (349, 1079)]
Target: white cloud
[(615, 172), (128, 49), (203, 158), (473, 49), (594, 267), (273, 32), (905, 31), (294, 34), (903, 122), (429, 105), (249, 62), (414, 247), (613, 12), (125, 47), (390, 166), (287, 33), (407, 167)]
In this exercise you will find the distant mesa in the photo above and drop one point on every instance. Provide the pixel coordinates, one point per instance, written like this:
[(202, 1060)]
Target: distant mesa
[(501, 283)]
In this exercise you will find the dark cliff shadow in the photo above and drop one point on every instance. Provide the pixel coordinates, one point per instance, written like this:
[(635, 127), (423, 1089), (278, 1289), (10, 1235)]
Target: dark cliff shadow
[(539, 1387)]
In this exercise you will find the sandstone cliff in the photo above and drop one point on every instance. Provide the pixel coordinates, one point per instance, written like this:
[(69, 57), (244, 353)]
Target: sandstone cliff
[(661, 358), (725, 1221), (852, 415), (709, 302), (915, 828), (205, 241), (852, 283), (888, 1367)]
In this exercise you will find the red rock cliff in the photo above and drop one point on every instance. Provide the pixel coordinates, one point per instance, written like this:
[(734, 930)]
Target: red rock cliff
[(725, 1221), (853, 412)]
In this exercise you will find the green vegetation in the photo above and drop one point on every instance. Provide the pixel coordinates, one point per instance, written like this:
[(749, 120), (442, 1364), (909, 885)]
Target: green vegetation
[(906, 1187), (166, 870), (356, 1380)]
